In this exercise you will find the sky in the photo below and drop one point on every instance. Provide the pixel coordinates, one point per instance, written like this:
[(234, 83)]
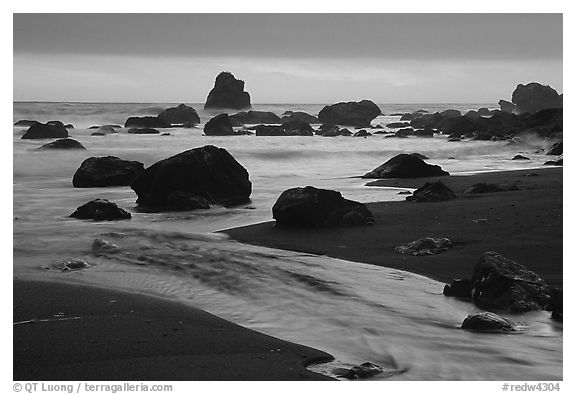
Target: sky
[(284, 58)]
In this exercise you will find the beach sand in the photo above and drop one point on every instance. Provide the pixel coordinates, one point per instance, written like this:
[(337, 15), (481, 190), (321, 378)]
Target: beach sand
[(73, 332), (524, 225)]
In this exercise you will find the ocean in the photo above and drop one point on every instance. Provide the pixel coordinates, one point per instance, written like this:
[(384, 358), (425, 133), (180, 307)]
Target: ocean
[(354, 311)]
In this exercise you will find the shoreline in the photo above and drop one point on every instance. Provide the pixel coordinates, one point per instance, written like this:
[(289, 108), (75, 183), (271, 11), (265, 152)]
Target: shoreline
[(523, 225)]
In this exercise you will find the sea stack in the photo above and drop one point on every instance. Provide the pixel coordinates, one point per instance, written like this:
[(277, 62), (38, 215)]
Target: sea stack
[(228, 92)]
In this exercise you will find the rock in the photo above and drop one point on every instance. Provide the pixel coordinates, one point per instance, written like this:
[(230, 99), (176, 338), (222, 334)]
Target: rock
[(328, 130), (69, 126), (228, 92), (473, 115), (483, 136), (254, 117), (556, 304), (397, 125), (165, 134), (26, 123), (432, 192), (405, 132), (425, 246), (502, 284), (457, 125), (107, 129), (362, 371), (454, 139), (420, 156), (297, 127), (208, 172), (362, 133), (556, 149), (70, 265), (100, 209), (102, 247), (410, 116), (484, 112), (145, 122), (143, 130), (106, 171), (300, 116), (184, 201), (405, 166), (269, 131), (350, 114), (312, 207), (218, 126), (98, 133), (424, 133), (450, 113), (461, 288), (520, 157), (378, 126), (507, 106), (48, 130), (181, 115), (63, 143), (345, 132), (558, 162), (480, 188), (535, 97), (487, 321)]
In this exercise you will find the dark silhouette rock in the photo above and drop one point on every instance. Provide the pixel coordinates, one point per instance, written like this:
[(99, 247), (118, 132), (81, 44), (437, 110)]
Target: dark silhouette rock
[(26, 123), (350, 114), (345, 132), (458, 124), (483, 112), (363, 371), (502, 284), (520, 157), (328, 130), (206, 175), (107, 129), (106, 171), (219, 125), (507, 106), (481, 188), (558, 162), (228, 92), (254, 117), (100, 209), (425, 246), (556, 304), (43, 131), (487, 321), (432, 192), (461, 288), (297, 127), (473, 115), (483, 136), (405, 166), (269, 131), (397, 125), (405, 132), (556, 149), (143, 130), (362, 133), (145, 122), (181, 115), (312, 207), (98, 133), (420, 156), (300, 116), (424, 133), (535, 97), (63, 143)]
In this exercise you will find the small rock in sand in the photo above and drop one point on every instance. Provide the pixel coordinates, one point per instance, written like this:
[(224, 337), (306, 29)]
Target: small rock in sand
[(425, 246)]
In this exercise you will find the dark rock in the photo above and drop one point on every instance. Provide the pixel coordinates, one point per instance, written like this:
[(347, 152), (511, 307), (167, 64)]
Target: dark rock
[(483, 136), (312, 207), (70, 265), (432, 192), (209, 173), (484, 112), (69, 126), (421, 111), (26, 123), (507, 106), (345, 132), (535, 97), (219, 125), (301, 116), (100, 209), (558, 162), (328, 130), (410, 116), (450, 113), (165, 134), (487, 321), (146, 122), (362, 371), (378, 126), (181, 115), (98, 133), (420, 156), (184, 201), (473, 115), (63, 143), (459, 125), (480, 188), (556, 304), (42, 131), (455, 138), (254, 117), (405, 166), (143, 130), (107, 129), (502, 284), (403, 133), (297, 127), (424, 133), (269, 131), (461, 288), (350, 113), (106, 171), (520, 157), (556, 149), (228, 92), (362, 133), (425, 246), (397, 125)]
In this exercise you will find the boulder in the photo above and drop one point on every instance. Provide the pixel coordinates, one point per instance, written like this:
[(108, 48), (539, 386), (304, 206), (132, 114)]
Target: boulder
[(145, 122), (520, 157), (507, 106), (181, 115), (419, 155), (228, 92), (483, 136), (143, 130), (487, 321), (107, 129), (328, 130), (47, 130), (100, 209), (481, 188), (98, 133), (457, 125), (312, 207), (350, 114), (425, 246), (362, 133), (558, 162), (450, 113), (254, 117), (556, 149), (405, 166), (301, 116), (106, 171), (502, 284), (461, 288), (405, 132), (397, 125), (363, 371), (26, 122), (269, 131), (556, 304), (534, 97), (424, 132), (483, 111), (345, 132), (218, 126), (432, 192), (297, 127), (206, 175), (63, 143)]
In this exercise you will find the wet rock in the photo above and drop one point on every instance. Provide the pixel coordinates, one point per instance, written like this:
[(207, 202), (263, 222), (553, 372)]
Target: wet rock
[(328, 130), (556, 304), (48, 130), (520, 157), (419, 155), (297, 127), (182, 115), (362, 133), (487, 321), (558, 162), (397, 125), (106, 171), (461, 288), (228, 92), (208, 172), (432, 192), (63, 143), (507, 106), (269, 131), (300, 116), (556, 149), (183, 201), (136, 122), (405, 166), (425, 246), (100, 209), (405, 132), (312, 207), (534, 97), (481, 188), (71, 265), (69, 126), (26, 122), (143, 130), (483, 111), (363, 371), (254, 117), (102, 247), (165, 134), (107, 129), (345, 132), (424, 133), (97, 133), (483, 136), (218, 126), (350, 113)]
